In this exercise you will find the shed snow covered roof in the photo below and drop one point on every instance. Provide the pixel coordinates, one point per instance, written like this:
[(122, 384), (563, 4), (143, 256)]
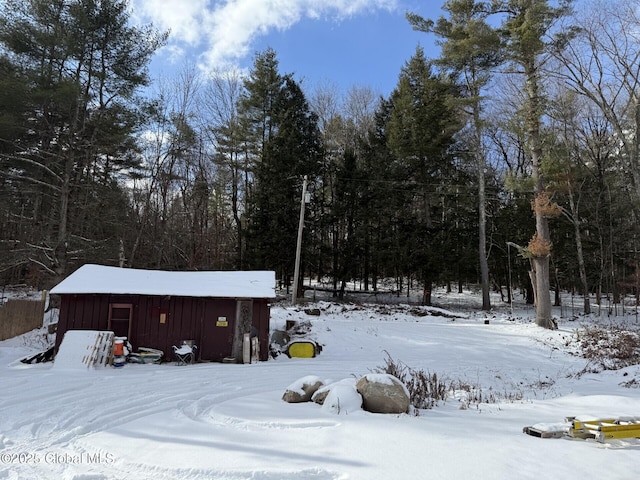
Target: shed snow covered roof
[(113, 280)]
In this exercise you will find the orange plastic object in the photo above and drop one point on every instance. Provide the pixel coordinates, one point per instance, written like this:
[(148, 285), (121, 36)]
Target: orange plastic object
[(118, 347)]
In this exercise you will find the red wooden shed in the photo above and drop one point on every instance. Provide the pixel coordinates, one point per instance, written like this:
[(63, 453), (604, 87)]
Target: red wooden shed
[(159, 309)]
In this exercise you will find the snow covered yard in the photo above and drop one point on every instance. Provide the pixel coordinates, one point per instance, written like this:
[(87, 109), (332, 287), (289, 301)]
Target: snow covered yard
[(223, 421)]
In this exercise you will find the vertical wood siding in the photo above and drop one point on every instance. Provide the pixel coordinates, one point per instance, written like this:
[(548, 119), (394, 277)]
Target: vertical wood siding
[(187, 318)]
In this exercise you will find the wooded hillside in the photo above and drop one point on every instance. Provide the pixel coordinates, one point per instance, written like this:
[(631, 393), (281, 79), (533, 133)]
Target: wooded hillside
[(517, 150)]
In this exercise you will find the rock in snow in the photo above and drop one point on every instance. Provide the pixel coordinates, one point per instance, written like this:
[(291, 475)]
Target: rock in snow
[(376, 393), (303, 389), (322, 393), (383, 393), (342, 399)]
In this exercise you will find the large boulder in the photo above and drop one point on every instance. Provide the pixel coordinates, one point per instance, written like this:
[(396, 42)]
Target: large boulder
[(342, 399), (302, 389), (321, 394), (383, 393)]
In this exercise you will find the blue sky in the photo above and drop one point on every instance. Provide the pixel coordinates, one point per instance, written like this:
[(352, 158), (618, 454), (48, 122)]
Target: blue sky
[(361, 43)]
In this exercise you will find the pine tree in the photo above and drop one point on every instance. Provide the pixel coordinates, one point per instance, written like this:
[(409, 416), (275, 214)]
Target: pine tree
[(346, 221), (287, 147), (470, 49), (421, 127), (381, 199), (82, 62), (524, 29)]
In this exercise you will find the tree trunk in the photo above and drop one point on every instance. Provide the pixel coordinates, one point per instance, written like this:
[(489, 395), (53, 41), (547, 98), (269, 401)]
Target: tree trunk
[(542, 282), (482, 232), (60, 253), (532, 295), (581, 268), (237, 219), (558, 299), (540, 256), (242, 325)]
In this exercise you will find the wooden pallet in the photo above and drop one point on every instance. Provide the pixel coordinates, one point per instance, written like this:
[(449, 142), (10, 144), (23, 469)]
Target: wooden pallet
[(84, 348)]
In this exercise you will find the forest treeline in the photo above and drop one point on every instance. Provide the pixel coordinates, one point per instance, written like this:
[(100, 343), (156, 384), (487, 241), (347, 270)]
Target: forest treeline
[(519, 145)]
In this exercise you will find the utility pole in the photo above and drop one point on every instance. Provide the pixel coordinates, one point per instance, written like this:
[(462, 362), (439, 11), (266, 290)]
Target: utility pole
[(296, 272), (520, 250)]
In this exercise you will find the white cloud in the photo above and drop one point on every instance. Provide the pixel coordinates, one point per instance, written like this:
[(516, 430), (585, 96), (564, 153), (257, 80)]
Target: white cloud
[(183, 18), (225, 29)]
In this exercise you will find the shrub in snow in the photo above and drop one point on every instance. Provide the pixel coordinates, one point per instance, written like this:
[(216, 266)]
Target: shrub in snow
[(383, 393), (425, 389), (610, 348), (302, 389)]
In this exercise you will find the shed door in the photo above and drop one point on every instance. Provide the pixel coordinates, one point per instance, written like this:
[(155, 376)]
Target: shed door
[(120, 315), (218, 325)]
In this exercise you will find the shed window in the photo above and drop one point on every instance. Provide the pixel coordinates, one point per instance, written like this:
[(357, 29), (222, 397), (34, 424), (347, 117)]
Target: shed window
[(120, 315)]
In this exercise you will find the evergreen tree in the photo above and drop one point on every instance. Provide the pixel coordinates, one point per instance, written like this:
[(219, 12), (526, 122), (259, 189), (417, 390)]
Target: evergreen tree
[(420, 135), (289, 148), (257, 104), (82, 63), (381, 202), (346, 214), (470, 49), (524, 29)]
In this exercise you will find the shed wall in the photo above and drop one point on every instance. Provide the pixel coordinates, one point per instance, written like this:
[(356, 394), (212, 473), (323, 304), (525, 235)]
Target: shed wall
[(185, 318)]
